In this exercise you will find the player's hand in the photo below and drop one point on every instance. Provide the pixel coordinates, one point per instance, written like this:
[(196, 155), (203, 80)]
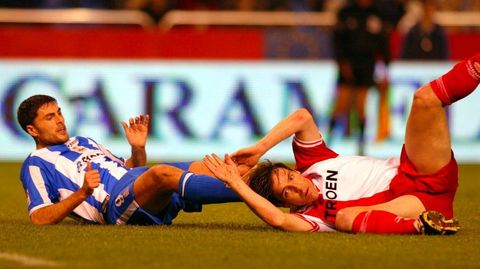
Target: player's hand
[(136, 130), (247, 157), (226, 170), (91, 179)]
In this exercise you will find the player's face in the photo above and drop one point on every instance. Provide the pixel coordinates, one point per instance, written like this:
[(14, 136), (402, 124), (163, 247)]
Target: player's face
[(48, 128), (292, 188)]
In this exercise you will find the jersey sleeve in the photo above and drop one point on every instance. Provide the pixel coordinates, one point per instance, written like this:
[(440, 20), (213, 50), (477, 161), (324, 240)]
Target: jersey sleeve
[(107, 152), (317, 224), (308, 153), (37, 187)]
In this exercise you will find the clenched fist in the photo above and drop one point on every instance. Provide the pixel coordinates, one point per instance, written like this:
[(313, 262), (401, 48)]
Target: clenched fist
[(91, 179)]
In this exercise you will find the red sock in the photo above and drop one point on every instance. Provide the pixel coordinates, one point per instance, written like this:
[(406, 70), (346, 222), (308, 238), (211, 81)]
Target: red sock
[(383, 222), (458, 82)]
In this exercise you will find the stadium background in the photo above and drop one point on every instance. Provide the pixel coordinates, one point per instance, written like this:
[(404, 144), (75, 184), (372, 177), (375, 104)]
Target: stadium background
[(208, 88), (213, 88)]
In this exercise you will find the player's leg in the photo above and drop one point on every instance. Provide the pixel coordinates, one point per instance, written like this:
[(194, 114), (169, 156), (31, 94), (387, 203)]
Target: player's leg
[(403, 215), (341, 107), (154, 188), (360, 99), (396, 216), (427, 138), (343, 98), (199, 168), (200, 185), (344, 95)]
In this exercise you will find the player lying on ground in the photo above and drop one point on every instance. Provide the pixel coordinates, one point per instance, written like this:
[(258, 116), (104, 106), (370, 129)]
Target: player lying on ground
[(360, 194), (77, 177)]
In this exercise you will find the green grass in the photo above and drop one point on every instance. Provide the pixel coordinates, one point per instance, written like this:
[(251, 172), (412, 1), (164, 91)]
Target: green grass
[(230, 236)]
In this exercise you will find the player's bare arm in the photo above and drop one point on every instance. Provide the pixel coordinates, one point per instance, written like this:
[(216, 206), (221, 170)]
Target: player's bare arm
[(227, 172), (55, 213), (136, 132), (300, 123)]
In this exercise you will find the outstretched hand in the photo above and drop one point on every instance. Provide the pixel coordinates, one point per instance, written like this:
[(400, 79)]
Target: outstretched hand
[(226, 170), (136, 130)]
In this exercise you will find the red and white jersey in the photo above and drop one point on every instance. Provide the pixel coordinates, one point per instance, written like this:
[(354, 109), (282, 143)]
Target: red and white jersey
[(342, 181)]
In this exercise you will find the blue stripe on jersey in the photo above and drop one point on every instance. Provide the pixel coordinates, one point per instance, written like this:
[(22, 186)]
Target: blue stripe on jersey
[(65, 151), (55, 184), (71, 158), (97, 204), (34, 196), (71, 155), (86, 142), (60, 182)]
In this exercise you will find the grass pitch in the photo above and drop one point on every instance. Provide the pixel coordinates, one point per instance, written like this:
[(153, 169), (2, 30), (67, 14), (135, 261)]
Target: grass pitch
[(226, 236)]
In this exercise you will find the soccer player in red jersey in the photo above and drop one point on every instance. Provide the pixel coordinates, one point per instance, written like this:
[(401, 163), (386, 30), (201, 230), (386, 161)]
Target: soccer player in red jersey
[(327, 192)]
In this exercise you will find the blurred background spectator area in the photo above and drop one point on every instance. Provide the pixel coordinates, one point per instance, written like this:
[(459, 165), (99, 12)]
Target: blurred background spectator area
[(247, 29)]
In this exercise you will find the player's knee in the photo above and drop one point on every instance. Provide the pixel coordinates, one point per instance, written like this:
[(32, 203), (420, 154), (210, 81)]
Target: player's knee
[(302, 115), (344, 220), (166, 176), (425, 98)]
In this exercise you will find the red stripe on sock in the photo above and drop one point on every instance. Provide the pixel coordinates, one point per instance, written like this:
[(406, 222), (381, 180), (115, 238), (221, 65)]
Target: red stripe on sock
[(439, 88)]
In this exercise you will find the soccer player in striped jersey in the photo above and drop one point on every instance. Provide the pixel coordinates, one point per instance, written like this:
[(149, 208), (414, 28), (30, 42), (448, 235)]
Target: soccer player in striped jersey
[(327, 192), (77, 177)]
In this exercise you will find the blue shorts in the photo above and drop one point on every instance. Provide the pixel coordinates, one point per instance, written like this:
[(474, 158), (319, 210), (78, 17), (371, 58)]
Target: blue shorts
[(121, 208)]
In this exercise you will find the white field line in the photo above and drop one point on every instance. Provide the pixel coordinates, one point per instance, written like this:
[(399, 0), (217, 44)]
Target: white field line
[(26, 260)]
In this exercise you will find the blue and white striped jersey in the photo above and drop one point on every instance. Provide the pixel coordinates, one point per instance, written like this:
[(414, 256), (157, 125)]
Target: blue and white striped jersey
[(51, 174)]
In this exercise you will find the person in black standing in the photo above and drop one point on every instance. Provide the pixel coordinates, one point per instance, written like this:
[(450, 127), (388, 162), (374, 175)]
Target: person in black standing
[(360, 40)]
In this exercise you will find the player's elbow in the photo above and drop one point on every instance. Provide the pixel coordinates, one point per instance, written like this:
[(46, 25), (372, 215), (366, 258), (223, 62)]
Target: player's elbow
[(39, 219), (275, 224), (40, 222), (277, 221)]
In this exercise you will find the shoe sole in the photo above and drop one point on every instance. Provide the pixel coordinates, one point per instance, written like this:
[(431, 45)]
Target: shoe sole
[(437, 222)]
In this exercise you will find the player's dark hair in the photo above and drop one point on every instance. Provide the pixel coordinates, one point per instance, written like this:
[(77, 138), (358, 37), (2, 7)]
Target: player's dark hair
[(27, 110), (261, 180)]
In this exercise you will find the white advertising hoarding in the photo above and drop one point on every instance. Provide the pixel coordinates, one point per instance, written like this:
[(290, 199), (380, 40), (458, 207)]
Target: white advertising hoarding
[(198, 107)]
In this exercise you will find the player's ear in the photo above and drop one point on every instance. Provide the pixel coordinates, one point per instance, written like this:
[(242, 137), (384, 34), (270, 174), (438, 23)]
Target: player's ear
[(31, 130)]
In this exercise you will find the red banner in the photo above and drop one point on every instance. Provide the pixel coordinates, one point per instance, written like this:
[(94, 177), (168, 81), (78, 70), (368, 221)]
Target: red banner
[(133, 43), (21, 42)]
